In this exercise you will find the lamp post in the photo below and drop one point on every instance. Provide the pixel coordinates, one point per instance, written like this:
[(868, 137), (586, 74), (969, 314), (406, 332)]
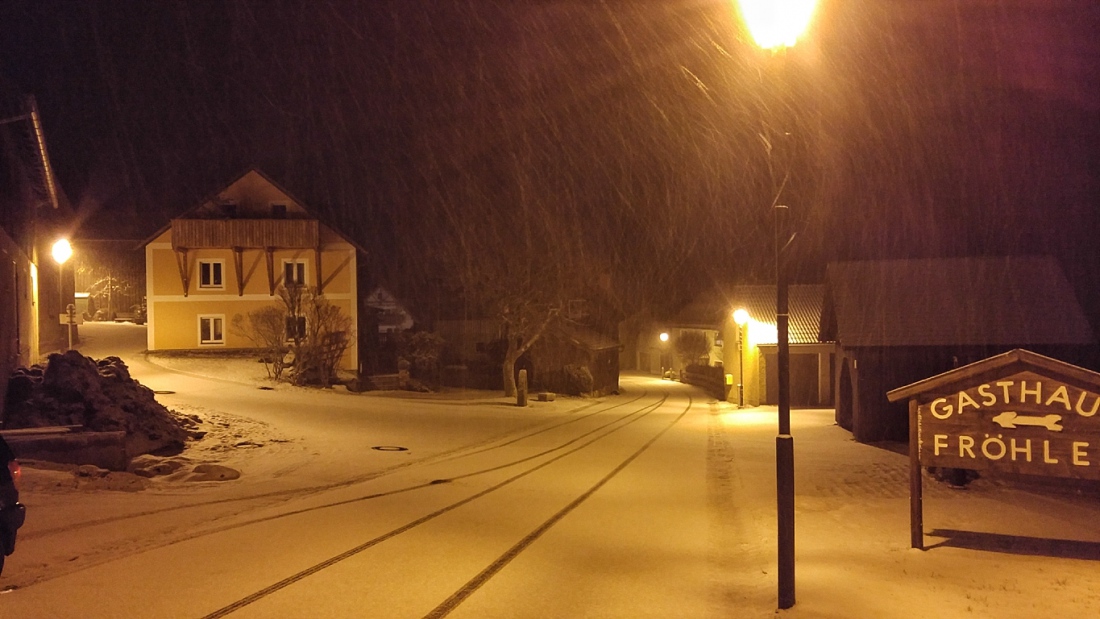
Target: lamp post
[(741, 317), (776, 25), (62, 251), (664, 345)]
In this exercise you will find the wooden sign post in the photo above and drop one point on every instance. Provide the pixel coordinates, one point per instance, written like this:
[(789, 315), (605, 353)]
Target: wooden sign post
[(1018, 413)]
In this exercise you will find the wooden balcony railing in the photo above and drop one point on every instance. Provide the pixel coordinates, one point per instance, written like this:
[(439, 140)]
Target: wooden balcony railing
[(245, 233)]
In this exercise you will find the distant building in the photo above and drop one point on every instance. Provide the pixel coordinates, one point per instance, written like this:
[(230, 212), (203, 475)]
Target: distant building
[(753, 347), (391, 315), (34, 213), (896, 322), (229, 254)]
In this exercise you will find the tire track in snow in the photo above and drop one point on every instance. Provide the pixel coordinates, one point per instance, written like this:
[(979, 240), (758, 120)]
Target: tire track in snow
[(608, 429)]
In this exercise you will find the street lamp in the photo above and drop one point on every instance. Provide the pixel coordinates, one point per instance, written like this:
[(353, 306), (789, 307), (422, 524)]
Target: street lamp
[(664, 344), (62, 251), (741, 317), (776, 25)]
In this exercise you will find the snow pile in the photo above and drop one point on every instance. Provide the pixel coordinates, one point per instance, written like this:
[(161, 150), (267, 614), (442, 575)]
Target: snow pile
[(72, 389)]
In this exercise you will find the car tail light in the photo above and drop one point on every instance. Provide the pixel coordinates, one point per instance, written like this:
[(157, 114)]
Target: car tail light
[(16, 472)]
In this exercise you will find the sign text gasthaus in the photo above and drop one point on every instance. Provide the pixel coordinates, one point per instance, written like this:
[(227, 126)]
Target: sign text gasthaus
[(1024, 423)]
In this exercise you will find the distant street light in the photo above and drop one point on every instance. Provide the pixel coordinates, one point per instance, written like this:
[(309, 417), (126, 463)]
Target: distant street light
[(776, 25), (741, 317), (62, 251), (664, 341)]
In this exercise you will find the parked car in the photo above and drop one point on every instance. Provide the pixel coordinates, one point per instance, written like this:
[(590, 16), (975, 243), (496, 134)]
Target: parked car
[(12, 512)]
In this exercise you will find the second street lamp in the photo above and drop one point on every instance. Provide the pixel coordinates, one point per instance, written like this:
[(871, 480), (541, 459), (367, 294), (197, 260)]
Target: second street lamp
[(741, 317), (776, 25), (62, 251)]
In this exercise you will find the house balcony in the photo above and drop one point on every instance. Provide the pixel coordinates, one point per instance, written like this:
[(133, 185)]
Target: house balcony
[(245, 233)]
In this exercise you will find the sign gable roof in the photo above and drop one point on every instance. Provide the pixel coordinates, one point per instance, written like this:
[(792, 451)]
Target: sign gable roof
[(1005, 364)]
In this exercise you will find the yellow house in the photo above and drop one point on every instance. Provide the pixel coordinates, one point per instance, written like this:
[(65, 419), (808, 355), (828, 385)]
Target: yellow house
[(228, 255)]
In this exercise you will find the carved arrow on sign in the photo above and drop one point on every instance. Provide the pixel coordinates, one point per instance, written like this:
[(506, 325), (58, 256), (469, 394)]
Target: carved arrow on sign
[(1011, 420)]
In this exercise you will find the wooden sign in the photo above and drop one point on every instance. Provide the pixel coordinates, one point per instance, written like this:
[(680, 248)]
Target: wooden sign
[(1024, 423), (1017, 413)]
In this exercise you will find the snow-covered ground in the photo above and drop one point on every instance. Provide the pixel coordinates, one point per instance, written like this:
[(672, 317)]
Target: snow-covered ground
[(994, 549)]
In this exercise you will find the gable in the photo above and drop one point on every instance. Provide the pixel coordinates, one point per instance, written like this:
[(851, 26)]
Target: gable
[(1001, 301), (253, 195)]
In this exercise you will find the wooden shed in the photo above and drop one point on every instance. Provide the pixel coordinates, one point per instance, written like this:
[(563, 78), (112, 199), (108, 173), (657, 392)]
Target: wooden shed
[(898, 321)]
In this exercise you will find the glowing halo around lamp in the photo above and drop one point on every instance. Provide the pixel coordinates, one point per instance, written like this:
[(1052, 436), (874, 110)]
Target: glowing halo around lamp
[(775, 24), (741, 317), (62, 251)]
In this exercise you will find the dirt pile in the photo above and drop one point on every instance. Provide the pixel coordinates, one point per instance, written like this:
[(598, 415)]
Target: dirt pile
[(72, 389)]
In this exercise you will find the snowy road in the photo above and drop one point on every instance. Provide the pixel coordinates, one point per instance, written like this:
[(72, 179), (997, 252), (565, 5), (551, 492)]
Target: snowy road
[(570, 508), (658, 502)]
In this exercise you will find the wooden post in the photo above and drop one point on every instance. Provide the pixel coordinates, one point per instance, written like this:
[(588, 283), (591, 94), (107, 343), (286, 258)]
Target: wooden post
[(238, 265), (269, 254), (916, 499), (184, 267), (521, 389)]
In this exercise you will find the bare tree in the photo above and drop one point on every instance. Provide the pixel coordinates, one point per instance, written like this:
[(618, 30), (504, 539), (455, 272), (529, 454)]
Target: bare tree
[(692, 346), (318, 333), (266, 328)]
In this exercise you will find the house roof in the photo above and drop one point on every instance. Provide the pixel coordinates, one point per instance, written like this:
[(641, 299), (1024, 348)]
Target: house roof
[(712, 309), (203, 205), (589, 338), (1005, 301)]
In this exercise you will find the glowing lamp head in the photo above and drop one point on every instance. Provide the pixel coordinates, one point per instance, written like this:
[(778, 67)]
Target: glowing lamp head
[(62, 251), (741, 317), (664, 337), (776, 24)]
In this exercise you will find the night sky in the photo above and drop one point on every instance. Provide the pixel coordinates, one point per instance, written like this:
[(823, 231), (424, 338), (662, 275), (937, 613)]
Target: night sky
[(624, 137)]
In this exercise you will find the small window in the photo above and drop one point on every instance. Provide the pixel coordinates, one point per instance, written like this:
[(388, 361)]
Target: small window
[(211, 330), (278, 211), (294, 273), (210, 274), (295, 328)]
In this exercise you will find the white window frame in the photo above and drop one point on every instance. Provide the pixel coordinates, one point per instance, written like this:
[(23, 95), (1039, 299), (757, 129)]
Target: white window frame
[(304, 271), (212, 285), (211, 317)]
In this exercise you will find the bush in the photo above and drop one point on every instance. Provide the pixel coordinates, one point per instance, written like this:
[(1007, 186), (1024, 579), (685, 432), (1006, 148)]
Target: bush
[(423, 349), (265, 327), (578, 379)]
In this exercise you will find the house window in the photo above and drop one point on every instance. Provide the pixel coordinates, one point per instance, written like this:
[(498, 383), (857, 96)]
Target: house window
[(211, 330), (295, 328), (210, 274), (278, 211), (294, 273)]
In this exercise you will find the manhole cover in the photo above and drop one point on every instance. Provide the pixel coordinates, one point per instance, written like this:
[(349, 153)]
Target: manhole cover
[(389, 448), (163, 392)]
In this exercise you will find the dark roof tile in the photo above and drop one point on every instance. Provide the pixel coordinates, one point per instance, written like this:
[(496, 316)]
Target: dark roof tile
[(1007, 301)]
